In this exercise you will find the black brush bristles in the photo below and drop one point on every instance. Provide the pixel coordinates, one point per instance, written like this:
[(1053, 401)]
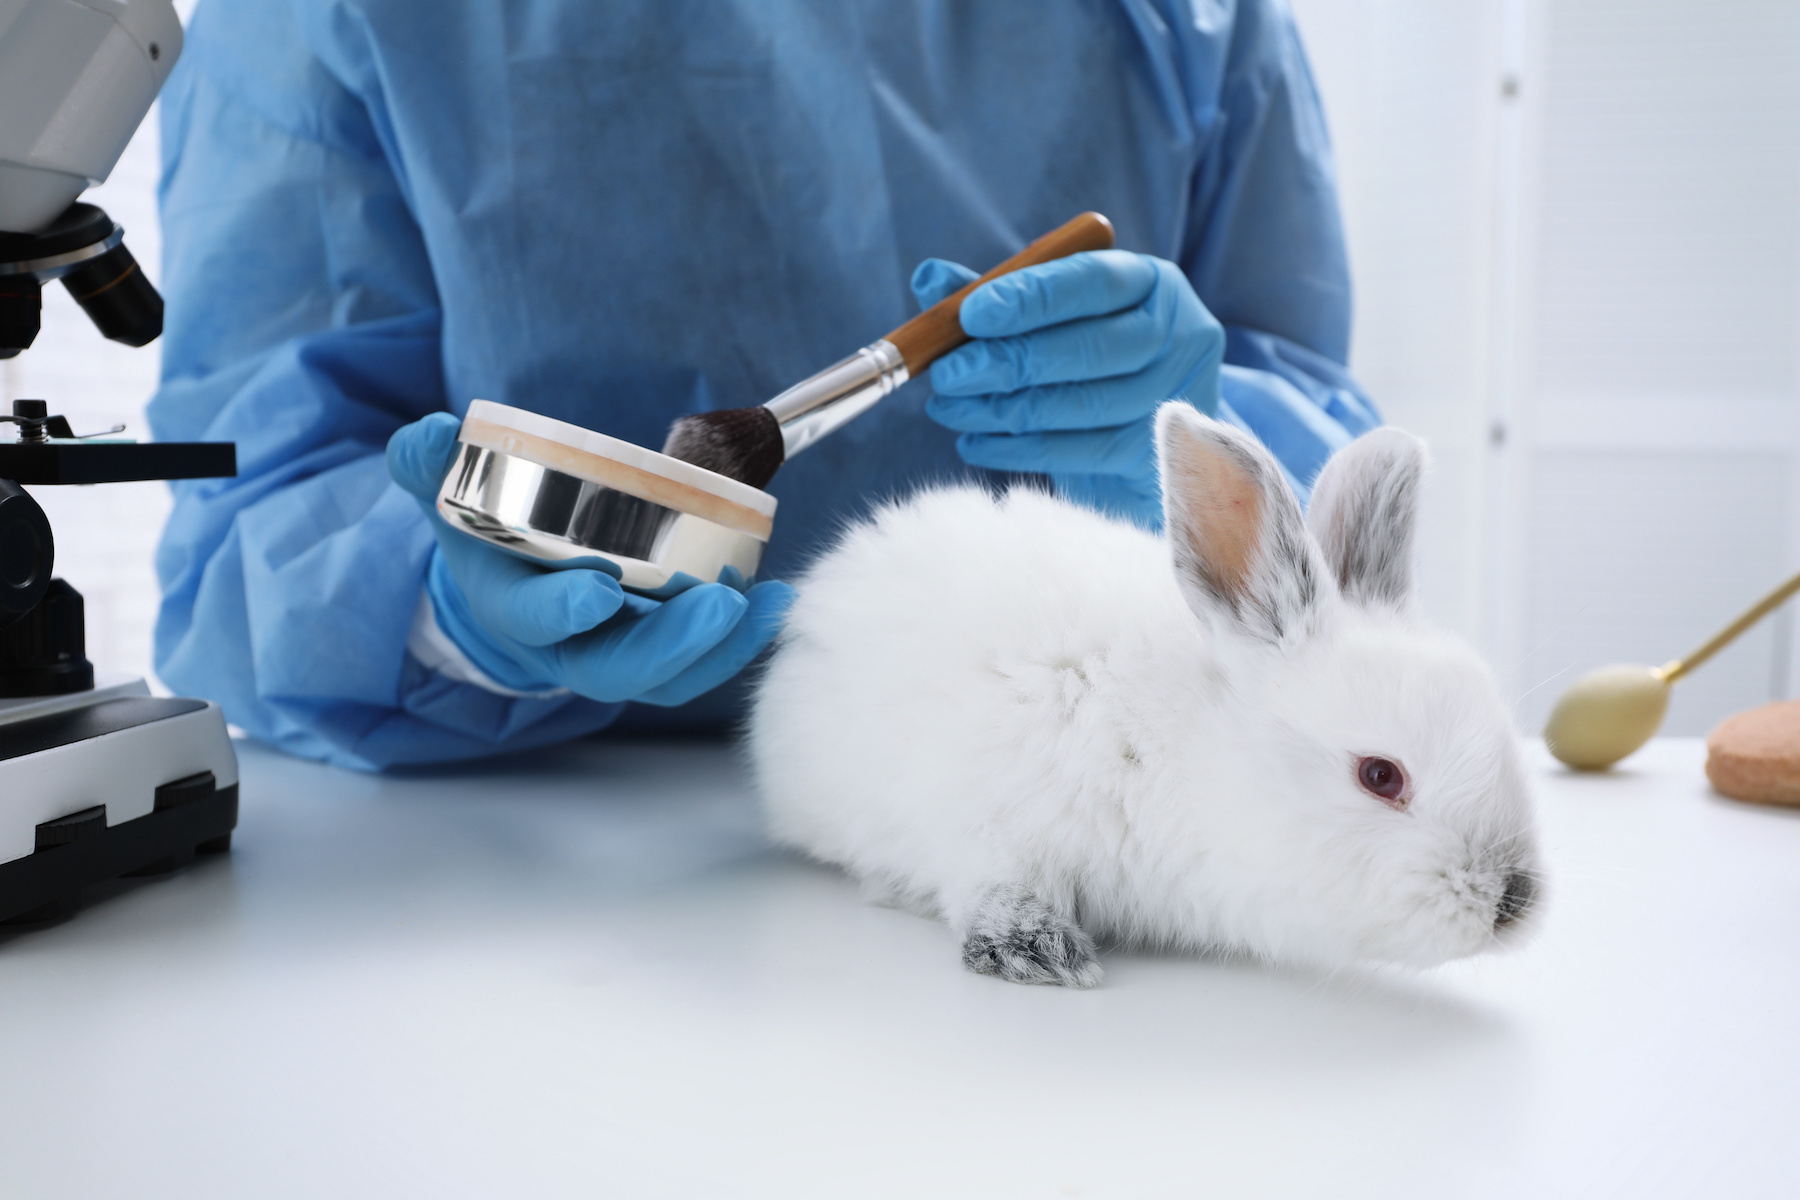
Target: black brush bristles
[(740, 443)]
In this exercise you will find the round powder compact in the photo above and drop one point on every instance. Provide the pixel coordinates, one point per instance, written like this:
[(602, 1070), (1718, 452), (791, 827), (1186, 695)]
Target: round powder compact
[(1755, 755)]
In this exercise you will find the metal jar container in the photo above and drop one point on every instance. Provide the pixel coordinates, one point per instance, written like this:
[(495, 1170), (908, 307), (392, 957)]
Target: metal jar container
[(567, 496)]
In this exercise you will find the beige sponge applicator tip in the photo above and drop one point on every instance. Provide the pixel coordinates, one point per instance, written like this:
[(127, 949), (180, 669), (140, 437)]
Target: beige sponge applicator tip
[(1607, 714)]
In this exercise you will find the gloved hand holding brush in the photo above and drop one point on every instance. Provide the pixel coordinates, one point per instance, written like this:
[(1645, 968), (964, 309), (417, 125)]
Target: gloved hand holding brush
[(531, 628), (1068, 362)]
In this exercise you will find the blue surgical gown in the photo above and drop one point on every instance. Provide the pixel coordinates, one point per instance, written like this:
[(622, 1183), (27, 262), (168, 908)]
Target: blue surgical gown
[(615, 213)]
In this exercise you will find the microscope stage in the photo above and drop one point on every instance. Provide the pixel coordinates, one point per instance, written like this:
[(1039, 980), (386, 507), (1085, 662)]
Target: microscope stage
[(106, 783)]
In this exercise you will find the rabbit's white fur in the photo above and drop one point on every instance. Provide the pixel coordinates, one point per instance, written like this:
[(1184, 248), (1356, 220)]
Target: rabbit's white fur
[(1015, 714)]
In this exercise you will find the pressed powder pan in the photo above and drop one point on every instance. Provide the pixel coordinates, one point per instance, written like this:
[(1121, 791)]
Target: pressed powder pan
[(567, 496)]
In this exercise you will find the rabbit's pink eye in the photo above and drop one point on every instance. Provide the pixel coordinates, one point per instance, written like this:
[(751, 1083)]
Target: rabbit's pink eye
[(1383, 779)]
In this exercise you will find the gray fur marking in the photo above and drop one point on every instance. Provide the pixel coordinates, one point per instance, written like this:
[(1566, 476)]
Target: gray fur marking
[(1365, 507), (1016, 936), (1283, 588), (1515, 901)]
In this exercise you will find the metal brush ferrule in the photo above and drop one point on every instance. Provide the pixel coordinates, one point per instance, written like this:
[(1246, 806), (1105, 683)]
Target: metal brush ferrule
[(837, 395)]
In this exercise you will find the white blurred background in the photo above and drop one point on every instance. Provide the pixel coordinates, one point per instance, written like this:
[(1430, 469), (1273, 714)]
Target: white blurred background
[(1575, 231)]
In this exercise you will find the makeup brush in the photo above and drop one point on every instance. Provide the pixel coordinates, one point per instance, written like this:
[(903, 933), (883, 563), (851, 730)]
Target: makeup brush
[(750, 444), (1611, 711)]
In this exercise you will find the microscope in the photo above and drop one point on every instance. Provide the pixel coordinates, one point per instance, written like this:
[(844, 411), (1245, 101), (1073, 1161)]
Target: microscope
[(96, 783)]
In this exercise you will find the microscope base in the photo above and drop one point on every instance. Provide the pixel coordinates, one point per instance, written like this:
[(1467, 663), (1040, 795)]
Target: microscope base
[(104, 784)]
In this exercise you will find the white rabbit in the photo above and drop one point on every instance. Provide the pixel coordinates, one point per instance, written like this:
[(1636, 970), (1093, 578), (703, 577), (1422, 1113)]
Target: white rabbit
[(1042, 724)]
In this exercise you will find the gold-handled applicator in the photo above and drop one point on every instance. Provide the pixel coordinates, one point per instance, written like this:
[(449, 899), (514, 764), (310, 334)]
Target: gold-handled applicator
[(1610, 712), (750, 444)]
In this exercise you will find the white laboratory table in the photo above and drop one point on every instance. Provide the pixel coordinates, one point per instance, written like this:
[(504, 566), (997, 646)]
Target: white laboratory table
[(587, 975)]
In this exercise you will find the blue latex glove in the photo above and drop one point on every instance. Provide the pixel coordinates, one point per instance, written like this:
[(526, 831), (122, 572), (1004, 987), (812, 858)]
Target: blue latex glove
[(530, 627), (1068, 363)]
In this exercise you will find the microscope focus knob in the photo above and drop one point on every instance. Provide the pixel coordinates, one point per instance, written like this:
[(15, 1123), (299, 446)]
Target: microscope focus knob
[(45, 653), (27, 553)]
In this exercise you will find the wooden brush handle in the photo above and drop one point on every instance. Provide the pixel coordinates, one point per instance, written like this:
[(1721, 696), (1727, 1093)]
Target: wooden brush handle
[(938, 330)]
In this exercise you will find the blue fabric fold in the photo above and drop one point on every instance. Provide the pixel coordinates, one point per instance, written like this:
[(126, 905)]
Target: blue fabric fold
[(617, 214)]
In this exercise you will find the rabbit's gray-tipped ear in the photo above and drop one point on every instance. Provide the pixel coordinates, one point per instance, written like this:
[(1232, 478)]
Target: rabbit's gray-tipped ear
[(1240, 545), (1365, 507)]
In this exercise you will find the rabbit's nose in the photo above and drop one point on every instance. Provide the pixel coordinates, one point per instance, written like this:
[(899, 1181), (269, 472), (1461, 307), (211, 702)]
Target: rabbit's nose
[(1520, 888)]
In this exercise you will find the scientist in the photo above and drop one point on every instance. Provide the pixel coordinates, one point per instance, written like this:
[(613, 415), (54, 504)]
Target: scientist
[(618, 213)]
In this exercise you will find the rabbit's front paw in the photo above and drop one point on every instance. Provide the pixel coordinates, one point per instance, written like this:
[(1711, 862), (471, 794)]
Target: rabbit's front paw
[(1017, 936)]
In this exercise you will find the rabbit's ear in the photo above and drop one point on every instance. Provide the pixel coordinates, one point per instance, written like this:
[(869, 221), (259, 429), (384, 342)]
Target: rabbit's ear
[(1364, 509), (1239, 543)]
